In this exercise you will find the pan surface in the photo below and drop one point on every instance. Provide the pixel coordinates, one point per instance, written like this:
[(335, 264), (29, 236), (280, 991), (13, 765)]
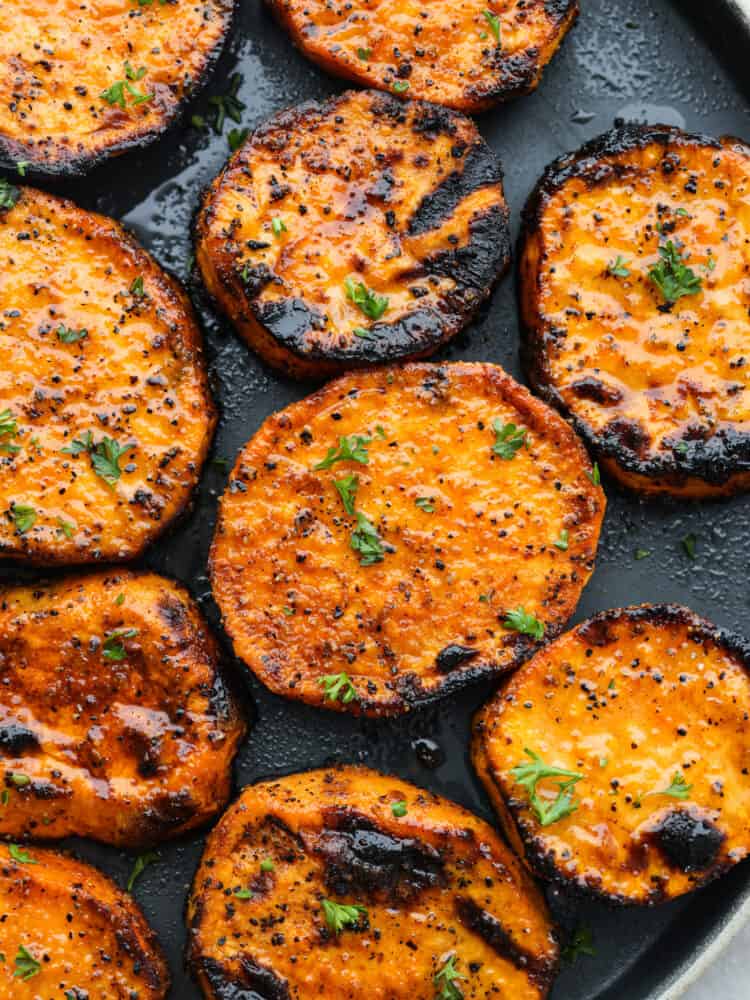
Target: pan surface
[(643, 60)]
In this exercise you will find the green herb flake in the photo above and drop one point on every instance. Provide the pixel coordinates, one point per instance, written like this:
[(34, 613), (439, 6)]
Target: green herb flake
[(363, 332), (508, 439), (427, 504), (120, 600), (678, 789), (66, 335), (136, 288), (367, 301), (113, 647), (364, 54), (21, 856), (227, 105), (561, 543), (20, 780), (595, 477), (672, 276), (267, 865), (494, 22), (347, 490), (642, 554), (528, 774), (24, 517), (524, 622), (26, 965), (689, 543), (9, 194), (279, 226), (338, 916), (243, 893), (618, 268), (366, 541), (446, 979), (236, 137), (21, 167), (105, 459), (141, 863), (399, 809), (580, 943), (287, 611), (401, 86), (338, 687), (352, 448)]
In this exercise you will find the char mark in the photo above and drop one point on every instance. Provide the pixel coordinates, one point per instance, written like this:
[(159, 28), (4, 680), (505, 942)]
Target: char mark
[(596, 390), (250, 982), (289, 321), (489, 928), (480, 169), (689, 842), (451, 657), (475, 267), (362, 860), (16, 739)]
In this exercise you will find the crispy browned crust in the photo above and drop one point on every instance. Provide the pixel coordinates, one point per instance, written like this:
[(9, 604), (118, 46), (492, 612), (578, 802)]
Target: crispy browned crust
[(89, 938), (428, 618), (138, 376), (332, 834), (663, 404), (131, 750), (628, 699), (52, 114), (442, 53), (406, 198)]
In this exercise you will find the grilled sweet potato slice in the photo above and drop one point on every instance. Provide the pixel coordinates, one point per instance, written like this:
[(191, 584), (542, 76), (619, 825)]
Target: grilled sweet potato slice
[(467, 56), (68, 931), (377, 539), (115, 721), (83, 82), (348, 883), (360, 230), (635, 302), (105, 412), (636, 725)]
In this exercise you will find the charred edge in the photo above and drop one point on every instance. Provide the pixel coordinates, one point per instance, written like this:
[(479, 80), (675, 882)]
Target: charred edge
[(687, 840), (475, 267), (288, 321), (363, 860), (560, 10), (250, 982), (481, 168), (164, 815), (16, 739), (489, 928), (453, 656)]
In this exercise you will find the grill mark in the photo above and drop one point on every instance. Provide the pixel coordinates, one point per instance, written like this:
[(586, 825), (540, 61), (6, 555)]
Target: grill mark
[(490, 929), (453, 656), (250, 982), (480, 169), (16, 739)]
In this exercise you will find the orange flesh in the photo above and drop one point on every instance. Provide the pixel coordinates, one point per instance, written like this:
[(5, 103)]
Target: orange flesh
[(678, 375), (295, 598), (411, 934), (137, 378), (657, 699), (58, 57), (449, 54)]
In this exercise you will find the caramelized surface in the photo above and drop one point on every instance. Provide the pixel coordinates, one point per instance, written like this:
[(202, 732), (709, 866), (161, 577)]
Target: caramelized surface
[(58, 57), (136, 378), (660, 391), (637, 701), (115, 722), (87, 938), (406, 199), (436, 883), (453, 54), (428, 617)]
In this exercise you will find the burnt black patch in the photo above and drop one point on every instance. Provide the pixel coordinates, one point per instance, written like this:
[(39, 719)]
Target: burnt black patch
[(596, 390), (476, 266), (433, 120), (688, 841), (364, 861), (597, 632), (16, 739), (453, 656), (491, 930), (255, 279), (480, 168), (250, 982), (288, 321)]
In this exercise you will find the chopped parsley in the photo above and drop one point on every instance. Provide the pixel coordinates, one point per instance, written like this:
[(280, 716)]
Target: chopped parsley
[(678, 789), (528, 774), (105, 456), (24, 517), (561, 543), (66, 335), (279, 226), (352, 448), (20, 780), (363, 332), (235, 138), (267, 865), (338, 687), (364, 54), (672, 276), (445, 981), (136, 287), (581, 943), (338, 915), (21, 856), (595, 477), (618, 268), (524, 622), (494, 22), (9, 429), (9, 194), (26, 965), (227, 105), (141, 863), (366, 541), (642, 554), (347, 490), (120, 90), (243, 893), (113, 647), (368, 302), (427, 504), (399, 809), (508, 439), (688, 544), (401, 86)]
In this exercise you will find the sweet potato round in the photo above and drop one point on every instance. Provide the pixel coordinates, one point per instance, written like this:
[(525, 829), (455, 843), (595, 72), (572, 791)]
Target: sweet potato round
[(466, 536), (650, 706), (656, 386), (360, 195), (437, 883)]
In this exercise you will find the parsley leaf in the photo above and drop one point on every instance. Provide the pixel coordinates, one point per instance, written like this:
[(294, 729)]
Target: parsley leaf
[(9, 194), (580, 943), (508, 439), (266, 865), (347, 490), (113, 647), (399, 809), (494, 22), (227, 105), (338, 915), (352, 448), (672, 276), (69, 336), (370, 303), (528, 774), (136, 287), (141, 863), (21, 856), (364, 54), (24, 517), (338, 687), (427, 504), (279, 226), (105, 459), (595, 477), (243, 893), (524, 622), (235, 138), (561, 543), (642, 554), (618, 268), (678, 789), (8, 428), (401, 86), (84, 443), (26, 965), (445, 981), (689, 543), (366, 541)]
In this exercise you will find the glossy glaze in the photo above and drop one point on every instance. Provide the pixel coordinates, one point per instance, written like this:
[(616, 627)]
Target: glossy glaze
[(295, 598), (447, 53), (137, 377), (88, 938), (436, 882), (660, 392), (404, 198), (628, 700), (127, 740), (58, 57)]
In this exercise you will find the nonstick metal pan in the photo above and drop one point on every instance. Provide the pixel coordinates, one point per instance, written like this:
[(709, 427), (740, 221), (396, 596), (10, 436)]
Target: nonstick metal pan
[(643, 60)]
